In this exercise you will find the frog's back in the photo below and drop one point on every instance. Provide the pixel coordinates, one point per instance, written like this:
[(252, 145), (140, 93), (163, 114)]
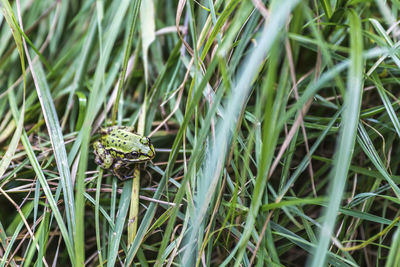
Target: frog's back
[(121, 140)]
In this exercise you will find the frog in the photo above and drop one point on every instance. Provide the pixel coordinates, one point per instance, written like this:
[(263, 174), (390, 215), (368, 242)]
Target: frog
[(118, 147)]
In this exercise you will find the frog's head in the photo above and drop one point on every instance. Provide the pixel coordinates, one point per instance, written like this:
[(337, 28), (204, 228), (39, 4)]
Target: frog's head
[(143, 152)]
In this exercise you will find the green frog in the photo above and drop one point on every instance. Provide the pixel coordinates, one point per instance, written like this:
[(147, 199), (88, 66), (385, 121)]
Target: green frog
[(118, 147)]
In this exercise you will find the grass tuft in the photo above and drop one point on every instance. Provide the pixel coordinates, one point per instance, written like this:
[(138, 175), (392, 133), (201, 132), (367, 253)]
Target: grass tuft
[(275, 126)]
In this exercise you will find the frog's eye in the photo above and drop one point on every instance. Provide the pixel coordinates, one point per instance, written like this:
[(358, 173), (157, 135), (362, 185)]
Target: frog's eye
[(145, 140), (132, 155)]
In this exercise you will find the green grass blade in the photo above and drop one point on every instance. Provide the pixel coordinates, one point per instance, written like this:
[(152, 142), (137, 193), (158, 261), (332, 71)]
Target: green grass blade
[(119, 225), (127, 54), (346, 140), (326, 5), (366, 144), (45, 186), (281, 11), (79, 232), (6, 159), (241, 176), (97, 217), (57, 141), (394, 254), (97, 94), (147, 20), (388, 105)]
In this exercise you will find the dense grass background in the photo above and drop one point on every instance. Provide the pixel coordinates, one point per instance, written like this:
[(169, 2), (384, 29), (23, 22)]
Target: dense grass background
[(274, 124)]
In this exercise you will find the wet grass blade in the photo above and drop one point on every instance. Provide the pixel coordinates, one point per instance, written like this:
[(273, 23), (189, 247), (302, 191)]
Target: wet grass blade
[(57, 142)]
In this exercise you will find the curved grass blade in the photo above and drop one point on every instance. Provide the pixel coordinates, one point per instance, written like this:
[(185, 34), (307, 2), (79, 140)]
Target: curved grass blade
[(96, 99), (280, 12), (45, 186), (332, 258), (347, 139), (366, 144), (172, 157), (56, 139), (82, 109), (386, 102)]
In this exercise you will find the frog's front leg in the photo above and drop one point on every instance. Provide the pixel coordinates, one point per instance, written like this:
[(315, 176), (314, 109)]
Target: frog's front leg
[(118, 164), (103, 157)]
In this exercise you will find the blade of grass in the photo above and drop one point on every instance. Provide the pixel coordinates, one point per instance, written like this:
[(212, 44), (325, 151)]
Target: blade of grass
[(373, 238), (332, 258), (79, 230), (394, 254), (81, 69), (9, 16), (303, 165), (127, 54), (40, 234), (386, 102), (10, 245), (43, 182), (326, 5), (314, 87), (119, 225), (147, 32), (97, 217), (97, 95), (346, 139), (55, 134), (181, 191), (366, 144), (57, 141), (172, 158), (280, 11)]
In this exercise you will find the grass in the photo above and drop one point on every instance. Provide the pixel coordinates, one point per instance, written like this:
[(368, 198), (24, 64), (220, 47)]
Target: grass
[(274, 124)]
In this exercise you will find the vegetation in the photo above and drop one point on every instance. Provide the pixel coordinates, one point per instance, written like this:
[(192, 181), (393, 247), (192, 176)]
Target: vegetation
[(274, 124)]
